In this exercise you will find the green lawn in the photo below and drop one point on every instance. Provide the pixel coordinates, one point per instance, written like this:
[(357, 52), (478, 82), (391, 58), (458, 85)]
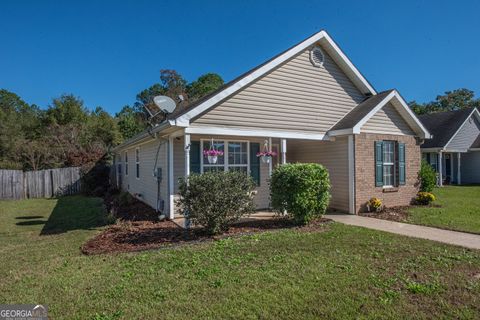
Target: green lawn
[(460, 209), (342, 273)]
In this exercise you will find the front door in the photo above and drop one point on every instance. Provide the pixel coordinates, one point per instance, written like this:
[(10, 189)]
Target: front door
[(448, 168)]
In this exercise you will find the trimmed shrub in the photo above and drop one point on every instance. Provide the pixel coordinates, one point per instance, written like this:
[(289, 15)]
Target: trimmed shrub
[(215, 200), (300, 189), (428, 177), (424, 198)]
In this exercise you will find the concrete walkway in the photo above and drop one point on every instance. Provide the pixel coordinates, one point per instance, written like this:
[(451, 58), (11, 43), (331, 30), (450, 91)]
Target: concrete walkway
[(462, 239)]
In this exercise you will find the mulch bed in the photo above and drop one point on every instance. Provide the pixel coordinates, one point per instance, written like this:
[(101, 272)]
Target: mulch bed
[(398, 214), (130, 236), (136, 211)]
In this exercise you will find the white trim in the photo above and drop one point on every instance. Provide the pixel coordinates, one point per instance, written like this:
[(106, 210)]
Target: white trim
[(474, 149), (142, 136), (440, 169), (171, 196), (351, 174), (455, 150), (341, 132), (254, 133), (359, 125), (126, 162), (270, 163), (421, 130), (383, 132), (464, 122), (137, 163), (284, 151), (186, 147), (204, 106), (459, 171)]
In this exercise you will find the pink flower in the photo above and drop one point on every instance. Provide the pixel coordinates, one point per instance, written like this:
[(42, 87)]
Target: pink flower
[(212, 153), (266, 154)]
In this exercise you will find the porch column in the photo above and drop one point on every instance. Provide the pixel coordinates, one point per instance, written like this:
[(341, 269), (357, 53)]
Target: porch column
[(171, 209), (187, 172), (440, 169), (270, 164), (459, 173), (351, 175), (284, 151)]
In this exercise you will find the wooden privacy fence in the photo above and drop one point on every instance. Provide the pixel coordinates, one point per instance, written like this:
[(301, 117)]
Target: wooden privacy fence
[(16, 184)]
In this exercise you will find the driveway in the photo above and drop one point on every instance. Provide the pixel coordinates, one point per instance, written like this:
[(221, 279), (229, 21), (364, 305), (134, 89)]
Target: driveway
[(462, 239)]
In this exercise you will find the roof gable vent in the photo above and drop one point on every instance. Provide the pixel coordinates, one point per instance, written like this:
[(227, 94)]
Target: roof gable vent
[(316, 56)]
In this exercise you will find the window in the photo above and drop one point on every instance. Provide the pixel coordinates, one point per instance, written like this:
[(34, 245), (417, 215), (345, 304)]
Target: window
[(137, 163), (126, 163), (432, 159), (238, 156), (235, 156), (389, 163)]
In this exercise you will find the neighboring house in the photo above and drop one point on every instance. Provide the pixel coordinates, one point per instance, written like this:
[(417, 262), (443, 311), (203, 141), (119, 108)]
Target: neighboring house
[(310, 104), (454, 151)]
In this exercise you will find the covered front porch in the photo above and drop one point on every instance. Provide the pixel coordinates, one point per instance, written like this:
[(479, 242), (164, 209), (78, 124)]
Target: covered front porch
[(185, 156), (447, 164)]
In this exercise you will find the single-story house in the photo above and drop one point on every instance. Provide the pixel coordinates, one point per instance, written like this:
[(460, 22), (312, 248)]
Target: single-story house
[(309, 104), (454, 150)]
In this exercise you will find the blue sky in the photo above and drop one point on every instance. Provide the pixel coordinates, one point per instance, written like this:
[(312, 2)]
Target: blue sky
[(107, 51)]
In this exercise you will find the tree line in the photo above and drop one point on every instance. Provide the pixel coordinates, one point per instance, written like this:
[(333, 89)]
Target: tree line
[(67, 133)]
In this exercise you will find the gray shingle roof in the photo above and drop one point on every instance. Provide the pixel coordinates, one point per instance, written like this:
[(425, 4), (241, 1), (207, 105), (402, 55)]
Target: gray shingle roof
[(443, 125), (360, 111)]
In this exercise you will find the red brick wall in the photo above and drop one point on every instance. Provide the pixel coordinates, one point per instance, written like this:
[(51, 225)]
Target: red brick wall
[(365, 171)]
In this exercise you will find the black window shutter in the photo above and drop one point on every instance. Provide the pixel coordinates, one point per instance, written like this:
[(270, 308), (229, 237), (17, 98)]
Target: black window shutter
[(255, 162), (195, 156), (378, 163), (401, 164)]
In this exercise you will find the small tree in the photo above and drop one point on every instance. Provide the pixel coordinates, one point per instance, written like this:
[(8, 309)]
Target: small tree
[(215, 200), (300, 189), (428, 177)]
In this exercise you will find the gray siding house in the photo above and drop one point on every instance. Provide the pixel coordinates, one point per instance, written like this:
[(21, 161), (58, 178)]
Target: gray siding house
[(454, 150), (309, 104)]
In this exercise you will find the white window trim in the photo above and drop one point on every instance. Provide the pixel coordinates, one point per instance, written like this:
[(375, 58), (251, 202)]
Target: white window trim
[(392, 164), (225, 155), (137, 163), (126, 163)]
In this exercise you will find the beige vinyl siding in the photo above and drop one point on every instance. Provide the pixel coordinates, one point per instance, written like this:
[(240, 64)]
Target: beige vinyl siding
[(294, 96), (262, 198), (334, 156), (467, 134), (146, 184), (387, 120)]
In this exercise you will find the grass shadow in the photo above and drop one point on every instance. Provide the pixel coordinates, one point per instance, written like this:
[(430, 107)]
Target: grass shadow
[(75, 213), (31, 222), (28, 217)]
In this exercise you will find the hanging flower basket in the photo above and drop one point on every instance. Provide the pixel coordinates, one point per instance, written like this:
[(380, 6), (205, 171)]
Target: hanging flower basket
[(266, 156), (212, 155)]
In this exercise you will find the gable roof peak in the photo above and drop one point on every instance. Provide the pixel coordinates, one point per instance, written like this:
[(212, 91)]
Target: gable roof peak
[(227, 90)]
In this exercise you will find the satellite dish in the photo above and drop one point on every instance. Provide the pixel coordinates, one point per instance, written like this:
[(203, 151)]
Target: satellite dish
[(164, 103)]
